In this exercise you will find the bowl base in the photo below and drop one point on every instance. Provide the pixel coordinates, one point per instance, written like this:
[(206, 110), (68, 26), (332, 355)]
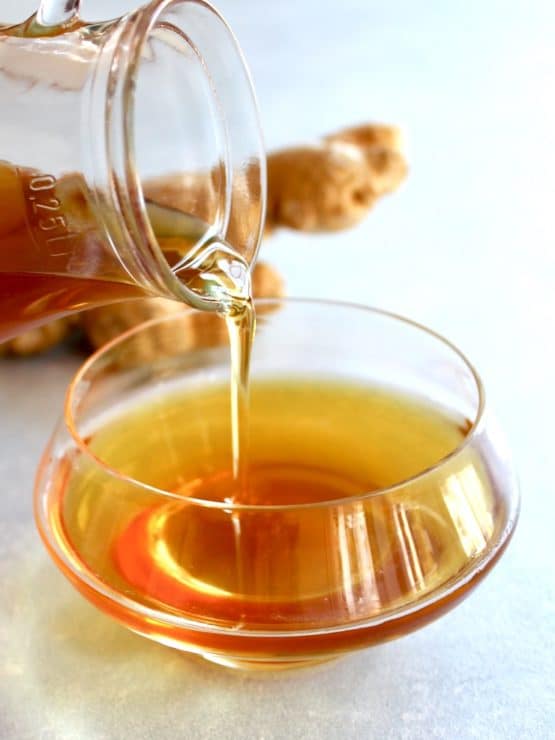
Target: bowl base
[(266, 664)]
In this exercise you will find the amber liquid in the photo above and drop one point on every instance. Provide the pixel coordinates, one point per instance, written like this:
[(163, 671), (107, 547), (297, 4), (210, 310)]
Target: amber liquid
[(55, 259), (52, 261), (276, 569)]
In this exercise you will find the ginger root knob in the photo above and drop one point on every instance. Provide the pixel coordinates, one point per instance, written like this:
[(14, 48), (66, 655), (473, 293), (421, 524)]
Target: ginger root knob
[(318, 188), (37, 340), (333, 185)]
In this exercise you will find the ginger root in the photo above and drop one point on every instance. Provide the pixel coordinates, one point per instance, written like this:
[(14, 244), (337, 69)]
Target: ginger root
[(333, 185), (267, 282), (38, 340), (324, 187)]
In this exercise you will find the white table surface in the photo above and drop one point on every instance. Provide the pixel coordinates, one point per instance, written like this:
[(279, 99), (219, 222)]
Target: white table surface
[(466, 247)]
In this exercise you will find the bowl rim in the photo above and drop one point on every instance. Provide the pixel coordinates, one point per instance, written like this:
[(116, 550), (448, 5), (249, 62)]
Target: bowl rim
[(72, 393)]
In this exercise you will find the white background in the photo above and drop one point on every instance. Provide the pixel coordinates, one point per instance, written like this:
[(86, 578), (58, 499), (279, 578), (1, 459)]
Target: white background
[(466, 247)]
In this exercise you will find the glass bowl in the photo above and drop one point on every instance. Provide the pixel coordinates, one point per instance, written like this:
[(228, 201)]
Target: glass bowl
[(394, 494)]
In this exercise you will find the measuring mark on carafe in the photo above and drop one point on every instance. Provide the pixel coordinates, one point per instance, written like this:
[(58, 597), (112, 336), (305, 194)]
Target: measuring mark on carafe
[(46, 220)]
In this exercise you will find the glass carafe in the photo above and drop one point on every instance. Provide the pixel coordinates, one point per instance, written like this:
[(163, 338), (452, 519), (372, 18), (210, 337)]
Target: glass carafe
[(130, 157)]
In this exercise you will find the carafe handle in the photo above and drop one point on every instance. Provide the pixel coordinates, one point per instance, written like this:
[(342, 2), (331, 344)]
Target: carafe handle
[(57, 12)]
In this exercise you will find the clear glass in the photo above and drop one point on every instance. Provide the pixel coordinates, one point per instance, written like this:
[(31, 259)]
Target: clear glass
[(322, 578), (128, 149)]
